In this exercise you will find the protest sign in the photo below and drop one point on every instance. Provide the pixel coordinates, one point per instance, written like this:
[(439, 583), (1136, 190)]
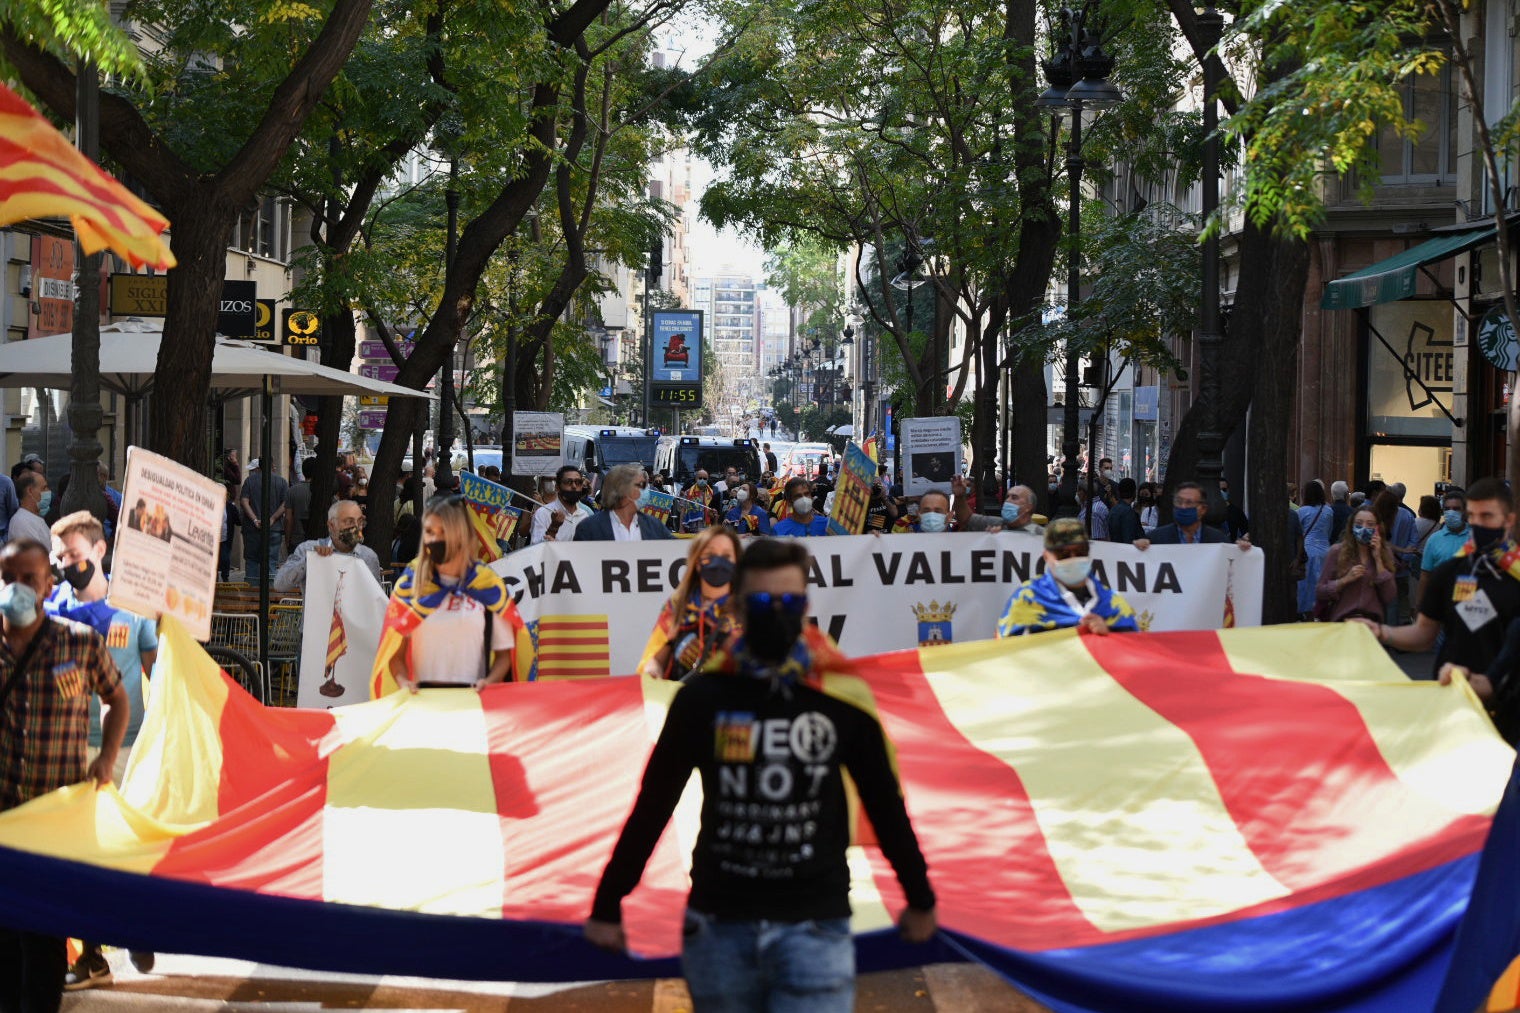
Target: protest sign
[(164, 560), (852, 494), (931, 453), (538, 442), (340, 631), (493, 518)]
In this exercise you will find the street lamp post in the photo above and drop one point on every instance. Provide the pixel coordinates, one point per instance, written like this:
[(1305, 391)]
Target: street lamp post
[(1210, 434), (1078, 71)]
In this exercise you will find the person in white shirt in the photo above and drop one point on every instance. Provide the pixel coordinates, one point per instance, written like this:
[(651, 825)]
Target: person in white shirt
[(345, 534), (624, 490), (555, 521), (473, 610), (27, 522)]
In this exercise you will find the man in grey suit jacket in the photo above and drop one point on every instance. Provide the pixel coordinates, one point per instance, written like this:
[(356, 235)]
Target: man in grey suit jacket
[(620, 520)]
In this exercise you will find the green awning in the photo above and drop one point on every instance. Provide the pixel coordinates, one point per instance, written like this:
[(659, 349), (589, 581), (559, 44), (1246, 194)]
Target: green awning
[(1394, 279)]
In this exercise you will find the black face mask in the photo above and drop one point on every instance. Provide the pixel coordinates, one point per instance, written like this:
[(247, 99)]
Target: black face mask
[(718, 571), (437, 551), (1483, 537), (80, 574), (770, 634)]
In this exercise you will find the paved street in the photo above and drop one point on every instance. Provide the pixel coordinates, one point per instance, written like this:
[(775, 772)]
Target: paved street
[(195, 984)]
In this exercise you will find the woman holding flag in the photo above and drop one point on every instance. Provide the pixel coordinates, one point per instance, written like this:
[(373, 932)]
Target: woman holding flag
[(696, 619), (747, 516), (450, 621)]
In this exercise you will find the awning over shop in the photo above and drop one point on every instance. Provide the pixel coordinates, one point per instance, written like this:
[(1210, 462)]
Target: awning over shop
[(1394, 278)]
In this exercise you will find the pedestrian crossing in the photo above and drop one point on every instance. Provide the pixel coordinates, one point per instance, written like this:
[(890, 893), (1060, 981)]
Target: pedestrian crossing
[(184, 984)]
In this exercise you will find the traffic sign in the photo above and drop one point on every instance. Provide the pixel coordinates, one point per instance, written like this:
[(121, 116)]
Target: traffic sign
[(379, 371), (374, 400), (372, 419)]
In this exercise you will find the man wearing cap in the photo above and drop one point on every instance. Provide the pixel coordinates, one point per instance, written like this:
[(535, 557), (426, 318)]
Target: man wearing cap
[(262, 537), (1066, 594)]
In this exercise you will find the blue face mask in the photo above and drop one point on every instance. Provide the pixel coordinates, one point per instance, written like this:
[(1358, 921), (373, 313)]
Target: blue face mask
[(1072, 572), (1185, 517), (1011, 511), (1363, 535), (1455, 520), (46, 503), (933, 523), (644, 496), (18, 604)]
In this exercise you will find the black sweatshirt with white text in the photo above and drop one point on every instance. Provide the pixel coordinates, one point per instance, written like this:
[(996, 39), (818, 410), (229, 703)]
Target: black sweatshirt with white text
[(775, 825)]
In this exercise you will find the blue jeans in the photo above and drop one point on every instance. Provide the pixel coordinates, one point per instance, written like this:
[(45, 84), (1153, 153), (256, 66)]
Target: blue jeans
[(259, 543), (769, 967)]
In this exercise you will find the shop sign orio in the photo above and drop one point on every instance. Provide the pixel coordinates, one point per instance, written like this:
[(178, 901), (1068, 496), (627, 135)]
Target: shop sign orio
[(302, 327)]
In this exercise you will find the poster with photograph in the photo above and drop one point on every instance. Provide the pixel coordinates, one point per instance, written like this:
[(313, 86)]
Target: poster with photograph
[(538, 442), (931, 453), (677, 346), (164, 561), (340, 631)]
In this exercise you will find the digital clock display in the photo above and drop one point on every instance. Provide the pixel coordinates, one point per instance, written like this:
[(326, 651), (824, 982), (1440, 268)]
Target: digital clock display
[(683, 395)]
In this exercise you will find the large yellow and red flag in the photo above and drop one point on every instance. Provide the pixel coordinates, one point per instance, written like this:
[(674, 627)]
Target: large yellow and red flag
[(42, 175), (1272, 819)]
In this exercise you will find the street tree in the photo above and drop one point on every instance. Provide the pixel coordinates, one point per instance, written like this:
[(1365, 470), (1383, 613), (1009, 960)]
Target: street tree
[(202, 131)]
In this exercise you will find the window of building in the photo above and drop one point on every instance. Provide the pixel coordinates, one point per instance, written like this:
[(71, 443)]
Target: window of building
[(263, 231), (1430, 156)]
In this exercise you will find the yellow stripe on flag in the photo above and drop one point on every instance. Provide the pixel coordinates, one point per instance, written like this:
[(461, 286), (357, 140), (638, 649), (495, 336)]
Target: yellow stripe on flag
[(1114, 845), (1505, 996), (175, 772), (396, 838), (84, 825), (1450, 755), (573, 647)]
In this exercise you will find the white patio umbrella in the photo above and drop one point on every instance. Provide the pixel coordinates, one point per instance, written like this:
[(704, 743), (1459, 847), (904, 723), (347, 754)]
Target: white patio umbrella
[(128, 357)]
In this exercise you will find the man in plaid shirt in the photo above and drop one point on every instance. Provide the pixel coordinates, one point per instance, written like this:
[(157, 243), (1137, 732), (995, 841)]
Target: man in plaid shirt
[(48, 669)]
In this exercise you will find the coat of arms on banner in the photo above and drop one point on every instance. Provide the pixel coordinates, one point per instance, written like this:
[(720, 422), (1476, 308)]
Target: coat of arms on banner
[(934, 623)]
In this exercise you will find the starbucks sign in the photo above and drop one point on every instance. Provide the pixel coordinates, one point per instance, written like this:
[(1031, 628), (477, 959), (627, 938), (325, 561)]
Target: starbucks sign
[(1497, 340)]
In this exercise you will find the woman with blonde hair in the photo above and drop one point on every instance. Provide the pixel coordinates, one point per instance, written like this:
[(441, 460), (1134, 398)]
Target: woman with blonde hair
[(697, 619), (1357, 579), (451, 621)]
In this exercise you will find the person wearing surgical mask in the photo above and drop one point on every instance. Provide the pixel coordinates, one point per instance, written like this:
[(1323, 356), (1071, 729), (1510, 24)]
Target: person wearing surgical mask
[(457, 621), (698, 618), (51, 667), (624, 494), (1447, 539), (933, 513), (1357, 578), (771, 725), (79, 550), (803, 519), (27, 522), (747, 516), (1068, 593), (345, 535)]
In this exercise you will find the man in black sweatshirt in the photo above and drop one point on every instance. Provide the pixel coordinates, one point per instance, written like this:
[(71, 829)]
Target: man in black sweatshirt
[(767, 923)]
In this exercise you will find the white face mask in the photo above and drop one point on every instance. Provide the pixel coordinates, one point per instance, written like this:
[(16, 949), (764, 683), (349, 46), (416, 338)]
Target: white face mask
[(742, 495), (1073, 571), (803, 504)]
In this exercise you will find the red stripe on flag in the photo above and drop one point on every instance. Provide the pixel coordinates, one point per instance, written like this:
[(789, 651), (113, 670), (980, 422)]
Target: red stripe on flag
[(272, 796), (560, 732), (987, 860), (1326, 815), (551, 627)]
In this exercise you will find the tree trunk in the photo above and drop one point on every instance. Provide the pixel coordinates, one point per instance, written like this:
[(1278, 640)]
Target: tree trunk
[(1031, 465), (1268, 319), (178, 427), (338, 334)]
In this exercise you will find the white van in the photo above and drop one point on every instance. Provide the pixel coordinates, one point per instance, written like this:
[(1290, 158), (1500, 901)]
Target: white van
[(595, 449)]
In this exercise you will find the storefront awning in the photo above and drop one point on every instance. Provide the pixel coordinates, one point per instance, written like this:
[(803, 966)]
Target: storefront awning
[(1393, 279)]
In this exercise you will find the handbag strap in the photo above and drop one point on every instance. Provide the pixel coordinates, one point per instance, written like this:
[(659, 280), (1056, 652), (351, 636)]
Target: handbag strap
[(18, 674)]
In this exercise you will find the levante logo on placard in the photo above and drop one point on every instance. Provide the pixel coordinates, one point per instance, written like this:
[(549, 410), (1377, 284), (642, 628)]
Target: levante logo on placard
[(934, 623)]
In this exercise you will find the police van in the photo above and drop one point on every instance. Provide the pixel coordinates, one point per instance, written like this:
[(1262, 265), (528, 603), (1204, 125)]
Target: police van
[(683, 456), (596, 449)]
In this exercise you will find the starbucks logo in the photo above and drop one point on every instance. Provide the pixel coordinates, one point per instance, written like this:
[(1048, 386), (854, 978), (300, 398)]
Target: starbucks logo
[(1497, 340)]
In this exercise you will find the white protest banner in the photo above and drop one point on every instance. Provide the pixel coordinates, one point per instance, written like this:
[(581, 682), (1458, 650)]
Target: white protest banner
[(344, 610), (591, 605), (164, 561), (931, 453), (538, 442)]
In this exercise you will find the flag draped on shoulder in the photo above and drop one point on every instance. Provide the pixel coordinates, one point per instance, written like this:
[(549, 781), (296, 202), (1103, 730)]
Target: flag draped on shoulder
[(412, 602)]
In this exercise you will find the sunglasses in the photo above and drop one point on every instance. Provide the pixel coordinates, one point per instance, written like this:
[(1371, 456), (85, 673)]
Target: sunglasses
[(764, 601)]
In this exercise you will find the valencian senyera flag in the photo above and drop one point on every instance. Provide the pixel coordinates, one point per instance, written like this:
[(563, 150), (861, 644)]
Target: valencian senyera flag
[(42, 175), (1263, 819)]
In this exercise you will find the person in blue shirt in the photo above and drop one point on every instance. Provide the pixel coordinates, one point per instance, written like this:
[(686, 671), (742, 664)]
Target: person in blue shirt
[(79, 550), (747, 516), (1447, 539), (803, 520), (1066, 594)]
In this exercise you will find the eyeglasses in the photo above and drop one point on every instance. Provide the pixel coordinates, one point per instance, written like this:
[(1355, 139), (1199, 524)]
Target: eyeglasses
[(764, 601)]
